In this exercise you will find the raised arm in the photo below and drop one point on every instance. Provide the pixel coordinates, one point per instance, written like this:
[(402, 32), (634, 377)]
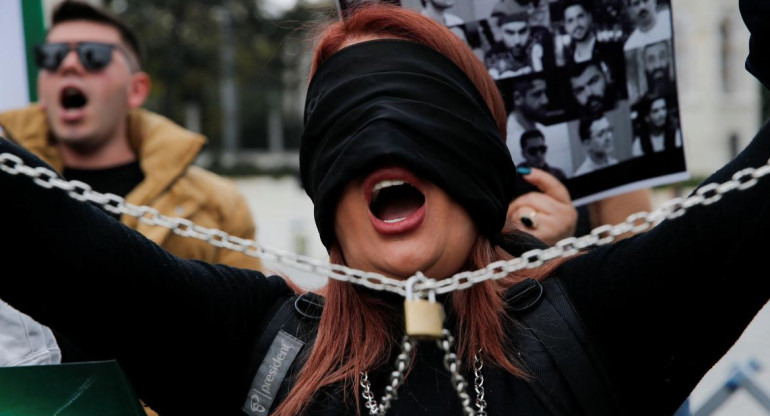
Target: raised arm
[(108, 289), (665, 305)]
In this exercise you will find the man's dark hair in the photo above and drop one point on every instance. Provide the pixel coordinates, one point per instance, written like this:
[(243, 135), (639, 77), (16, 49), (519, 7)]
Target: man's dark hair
[(72, 10), (578, 69), (530, 134), (584, 128), (523, 84), (645, 104), (569, 3)]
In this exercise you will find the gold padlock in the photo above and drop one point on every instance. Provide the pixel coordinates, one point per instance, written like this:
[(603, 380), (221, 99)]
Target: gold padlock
[(424, 317)]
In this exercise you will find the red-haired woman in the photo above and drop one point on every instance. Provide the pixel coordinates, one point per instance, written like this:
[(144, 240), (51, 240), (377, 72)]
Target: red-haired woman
[(404, 159)]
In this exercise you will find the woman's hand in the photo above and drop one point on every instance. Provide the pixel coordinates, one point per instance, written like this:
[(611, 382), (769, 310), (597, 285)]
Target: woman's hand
[(548, 215)]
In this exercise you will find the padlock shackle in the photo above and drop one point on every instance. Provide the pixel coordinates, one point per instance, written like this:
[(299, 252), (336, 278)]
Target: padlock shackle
[(418, 277), (409, 285)]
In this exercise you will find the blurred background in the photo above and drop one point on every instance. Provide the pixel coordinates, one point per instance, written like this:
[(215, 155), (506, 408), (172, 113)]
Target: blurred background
[(236, 71)]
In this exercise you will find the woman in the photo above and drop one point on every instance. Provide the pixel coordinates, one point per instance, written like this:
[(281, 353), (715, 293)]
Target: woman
[(404, 159)]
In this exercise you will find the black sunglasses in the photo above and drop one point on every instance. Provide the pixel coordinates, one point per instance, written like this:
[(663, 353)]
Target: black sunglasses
[(94, 56), (534, 150)]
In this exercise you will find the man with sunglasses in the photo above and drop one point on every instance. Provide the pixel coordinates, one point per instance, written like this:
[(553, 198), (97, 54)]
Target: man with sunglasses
[(534, 149), (89, 126)]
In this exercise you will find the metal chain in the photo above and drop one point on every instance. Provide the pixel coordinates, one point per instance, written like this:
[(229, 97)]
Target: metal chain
[(371, 403), (478, 384), (452, 364), (605, 234), (397, 377)]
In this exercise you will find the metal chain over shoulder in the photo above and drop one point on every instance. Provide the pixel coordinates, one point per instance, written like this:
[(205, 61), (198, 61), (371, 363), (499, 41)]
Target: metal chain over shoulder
[(605, 234)]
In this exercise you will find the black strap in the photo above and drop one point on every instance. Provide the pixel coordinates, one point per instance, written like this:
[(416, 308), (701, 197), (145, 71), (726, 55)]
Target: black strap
[(554, 347), (298, 316)]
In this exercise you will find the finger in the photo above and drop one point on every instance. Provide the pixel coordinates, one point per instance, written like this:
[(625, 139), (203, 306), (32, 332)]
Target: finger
[(550, 228), (548, 184), (541, 202)]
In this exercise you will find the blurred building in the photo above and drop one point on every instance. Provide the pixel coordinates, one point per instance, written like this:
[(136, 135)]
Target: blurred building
[(719, 101)]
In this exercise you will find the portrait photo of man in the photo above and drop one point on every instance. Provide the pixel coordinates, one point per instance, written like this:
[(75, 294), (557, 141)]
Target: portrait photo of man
[(659, 68), (650, 72), (534, 150), (652, 23), (439, 10), (597, 136), (584, 40), (519, 47), (592, 88), (529, 102)]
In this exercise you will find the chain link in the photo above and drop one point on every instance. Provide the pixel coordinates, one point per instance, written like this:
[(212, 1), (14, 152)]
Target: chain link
[(397, 377), (452, 364), (605, 234), (404, 360), (371, 403), (478, 385)]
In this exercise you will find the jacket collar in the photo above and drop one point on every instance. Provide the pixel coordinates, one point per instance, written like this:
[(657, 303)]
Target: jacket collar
[(165, 149)]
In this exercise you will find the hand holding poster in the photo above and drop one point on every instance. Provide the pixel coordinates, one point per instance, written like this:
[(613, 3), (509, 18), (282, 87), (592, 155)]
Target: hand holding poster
[(589, 86)]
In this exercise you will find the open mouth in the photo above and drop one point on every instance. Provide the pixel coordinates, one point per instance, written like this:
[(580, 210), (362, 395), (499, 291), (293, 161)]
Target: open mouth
[(72, 98), (395, 200)]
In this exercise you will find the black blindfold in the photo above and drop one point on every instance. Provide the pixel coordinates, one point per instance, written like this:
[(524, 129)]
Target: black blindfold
[(401, 101)]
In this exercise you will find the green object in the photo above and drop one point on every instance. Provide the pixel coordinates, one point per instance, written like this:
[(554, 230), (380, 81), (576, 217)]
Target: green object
[(34, 32), (92, 388)]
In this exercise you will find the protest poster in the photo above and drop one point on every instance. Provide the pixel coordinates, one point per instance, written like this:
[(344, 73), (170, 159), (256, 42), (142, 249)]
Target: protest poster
[(589, 85), (74, 389)]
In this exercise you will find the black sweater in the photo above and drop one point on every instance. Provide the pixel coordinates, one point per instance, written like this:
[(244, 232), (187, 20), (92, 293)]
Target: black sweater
[(661, 307)]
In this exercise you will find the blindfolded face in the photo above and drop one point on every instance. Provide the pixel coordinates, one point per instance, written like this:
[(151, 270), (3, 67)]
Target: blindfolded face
[(392, 222), (417, 110)]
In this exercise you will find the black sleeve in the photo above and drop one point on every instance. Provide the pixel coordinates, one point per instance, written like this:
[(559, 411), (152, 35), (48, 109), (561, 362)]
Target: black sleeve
[(182, 330), (665, 305)]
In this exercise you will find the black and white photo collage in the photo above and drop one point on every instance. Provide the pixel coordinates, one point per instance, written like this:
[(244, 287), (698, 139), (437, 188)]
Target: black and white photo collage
[(589, 86)]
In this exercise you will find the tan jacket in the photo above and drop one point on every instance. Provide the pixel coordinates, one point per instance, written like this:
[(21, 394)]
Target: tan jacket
[(172, 185)]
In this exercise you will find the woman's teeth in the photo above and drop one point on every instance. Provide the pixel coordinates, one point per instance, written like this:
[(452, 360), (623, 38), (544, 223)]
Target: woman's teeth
[(385, 184)]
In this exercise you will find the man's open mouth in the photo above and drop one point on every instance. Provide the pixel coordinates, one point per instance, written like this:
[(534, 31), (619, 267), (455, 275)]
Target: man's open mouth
[(72, 98)]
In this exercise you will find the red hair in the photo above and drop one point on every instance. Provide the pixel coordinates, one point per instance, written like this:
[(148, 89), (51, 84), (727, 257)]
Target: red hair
[(358, 330)]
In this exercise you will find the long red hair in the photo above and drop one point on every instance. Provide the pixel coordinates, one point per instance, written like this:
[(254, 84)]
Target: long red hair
[(358, 330)]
